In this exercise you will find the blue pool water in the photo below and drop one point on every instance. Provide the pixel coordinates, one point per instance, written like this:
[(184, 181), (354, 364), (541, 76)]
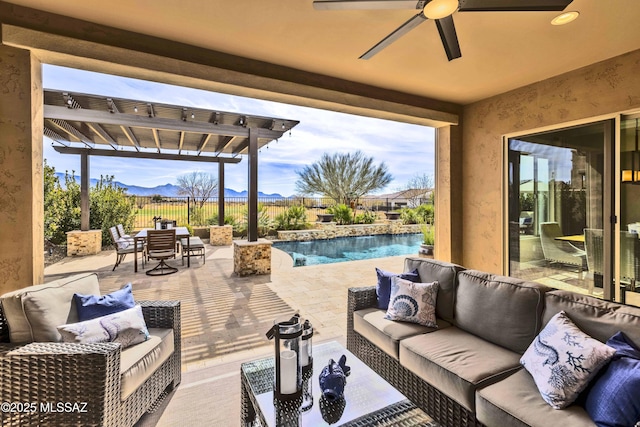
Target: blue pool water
[(350, 248)]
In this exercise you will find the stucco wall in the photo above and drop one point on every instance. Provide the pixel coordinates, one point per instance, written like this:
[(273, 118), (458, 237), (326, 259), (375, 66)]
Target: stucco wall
[(21, 179), (607, 87)]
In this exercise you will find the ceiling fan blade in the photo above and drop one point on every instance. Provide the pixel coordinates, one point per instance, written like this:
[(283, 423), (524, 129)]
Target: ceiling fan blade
[(367, 4), (399, 32), (512, 5), (447, 31)]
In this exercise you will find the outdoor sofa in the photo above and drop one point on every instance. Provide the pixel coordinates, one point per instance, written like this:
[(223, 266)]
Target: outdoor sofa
[(467, 371), (49, 382)]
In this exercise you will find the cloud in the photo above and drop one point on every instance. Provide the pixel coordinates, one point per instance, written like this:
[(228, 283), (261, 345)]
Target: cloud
[(406, 149)]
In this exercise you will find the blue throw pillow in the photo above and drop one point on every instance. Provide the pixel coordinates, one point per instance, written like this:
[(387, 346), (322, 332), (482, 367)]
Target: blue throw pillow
[(93, 306), (612, 400), (383, 288)]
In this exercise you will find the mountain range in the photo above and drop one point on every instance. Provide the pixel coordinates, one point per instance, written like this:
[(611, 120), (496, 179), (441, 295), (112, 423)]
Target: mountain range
[(167, 190)]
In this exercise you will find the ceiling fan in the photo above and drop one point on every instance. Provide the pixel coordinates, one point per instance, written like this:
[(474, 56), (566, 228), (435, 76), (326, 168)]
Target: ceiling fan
[(442, 12)]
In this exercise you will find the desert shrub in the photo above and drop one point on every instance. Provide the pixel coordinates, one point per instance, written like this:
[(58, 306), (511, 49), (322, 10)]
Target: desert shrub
[(367, 217), (196, 215), (228, 220), (264, 221), (425, 213), (294, 218), (409, 216), (342, 214)]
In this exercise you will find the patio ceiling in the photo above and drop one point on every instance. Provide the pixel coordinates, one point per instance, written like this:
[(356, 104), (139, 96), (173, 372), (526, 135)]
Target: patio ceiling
[(501, 51), (134, 128)]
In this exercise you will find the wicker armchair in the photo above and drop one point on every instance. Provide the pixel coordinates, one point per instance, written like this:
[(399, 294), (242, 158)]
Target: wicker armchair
[(79, 384)]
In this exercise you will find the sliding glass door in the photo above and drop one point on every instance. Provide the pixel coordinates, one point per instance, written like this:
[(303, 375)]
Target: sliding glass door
[(629, 224), (559, 205)]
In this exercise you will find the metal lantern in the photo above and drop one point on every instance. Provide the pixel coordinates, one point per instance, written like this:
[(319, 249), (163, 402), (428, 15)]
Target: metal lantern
[(306, 361), (288, 373), (306, 351)]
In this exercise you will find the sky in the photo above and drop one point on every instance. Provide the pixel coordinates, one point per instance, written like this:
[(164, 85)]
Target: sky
[(406, 149)]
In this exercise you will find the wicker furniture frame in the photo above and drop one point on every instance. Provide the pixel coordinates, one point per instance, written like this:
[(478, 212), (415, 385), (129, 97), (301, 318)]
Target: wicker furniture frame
[(442, 408), (40, 376)]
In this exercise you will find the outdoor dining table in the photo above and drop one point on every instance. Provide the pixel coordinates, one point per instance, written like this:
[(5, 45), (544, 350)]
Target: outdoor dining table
[(142, 236)]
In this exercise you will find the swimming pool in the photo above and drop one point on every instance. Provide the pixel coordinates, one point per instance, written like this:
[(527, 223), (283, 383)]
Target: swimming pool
[(350, 248)]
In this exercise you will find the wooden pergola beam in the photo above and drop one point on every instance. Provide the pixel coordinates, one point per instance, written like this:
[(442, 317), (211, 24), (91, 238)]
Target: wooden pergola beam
[(146, 155), (132, 120)]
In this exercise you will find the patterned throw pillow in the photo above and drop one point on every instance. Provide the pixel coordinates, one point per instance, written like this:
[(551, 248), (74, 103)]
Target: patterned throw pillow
[(383, 288), (563, 359), (413, 302), (126, 327)]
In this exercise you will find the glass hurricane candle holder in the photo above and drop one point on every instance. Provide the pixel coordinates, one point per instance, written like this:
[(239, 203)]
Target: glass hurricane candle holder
[(288, 372)]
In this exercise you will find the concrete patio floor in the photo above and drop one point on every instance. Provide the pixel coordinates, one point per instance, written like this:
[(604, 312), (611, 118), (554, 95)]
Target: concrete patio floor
[(225, 317)]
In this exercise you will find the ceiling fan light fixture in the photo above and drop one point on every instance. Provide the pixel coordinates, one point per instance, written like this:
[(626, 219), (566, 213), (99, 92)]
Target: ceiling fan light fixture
[(438, 9), (565, 18)]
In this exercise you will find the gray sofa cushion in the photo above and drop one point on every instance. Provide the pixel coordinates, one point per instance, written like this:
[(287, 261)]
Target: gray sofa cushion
[(386, 334), (515, 401), (502, 310), (34, 313), (457, 362), (445, 273), (595, 317)]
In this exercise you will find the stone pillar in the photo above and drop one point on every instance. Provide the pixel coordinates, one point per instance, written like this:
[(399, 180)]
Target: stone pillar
[(448, 194), (81, 243), (220, 235), (251, 258), (21, 163)]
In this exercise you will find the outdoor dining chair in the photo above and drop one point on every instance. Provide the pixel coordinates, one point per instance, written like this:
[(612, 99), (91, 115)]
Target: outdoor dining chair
[(124, 246), (161, 245), (558, 251)]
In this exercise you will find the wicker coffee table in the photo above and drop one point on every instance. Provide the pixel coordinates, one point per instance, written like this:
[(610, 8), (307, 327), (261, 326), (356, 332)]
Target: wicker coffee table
[(369, 399)]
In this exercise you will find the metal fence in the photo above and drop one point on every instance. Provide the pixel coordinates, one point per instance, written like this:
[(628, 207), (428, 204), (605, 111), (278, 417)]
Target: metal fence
[(184, 210)]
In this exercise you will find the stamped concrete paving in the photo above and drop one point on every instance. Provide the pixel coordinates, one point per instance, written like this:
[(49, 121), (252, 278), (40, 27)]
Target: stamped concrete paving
[(224, 317)]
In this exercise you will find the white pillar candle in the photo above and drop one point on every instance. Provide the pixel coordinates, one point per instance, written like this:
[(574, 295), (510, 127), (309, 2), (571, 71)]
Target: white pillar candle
[(288, 372), (304, 353)]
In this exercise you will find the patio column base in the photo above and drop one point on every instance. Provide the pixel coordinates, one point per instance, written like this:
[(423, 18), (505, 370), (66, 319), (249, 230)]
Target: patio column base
[(251, 258), (220, 235), (81, 243)]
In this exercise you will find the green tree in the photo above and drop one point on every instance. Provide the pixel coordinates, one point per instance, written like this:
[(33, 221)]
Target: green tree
[(62, 207), (110, 205), (343, 177), (52, 192)]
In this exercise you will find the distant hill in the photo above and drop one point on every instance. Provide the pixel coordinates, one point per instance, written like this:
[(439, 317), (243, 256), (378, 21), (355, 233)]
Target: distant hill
[(167, 190)]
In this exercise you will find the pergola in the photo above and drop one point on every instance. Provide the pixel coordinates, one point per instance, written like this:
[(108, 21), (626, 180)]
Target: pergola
[(93, 125)]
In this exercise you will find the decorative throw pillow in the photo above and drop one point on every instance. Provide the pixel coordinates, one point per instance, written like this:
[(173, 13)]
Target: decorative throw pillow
[(92, 306), (383, 288), (123, 243), (413, 302), (612, 397), (126, 327), (563, 359)]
